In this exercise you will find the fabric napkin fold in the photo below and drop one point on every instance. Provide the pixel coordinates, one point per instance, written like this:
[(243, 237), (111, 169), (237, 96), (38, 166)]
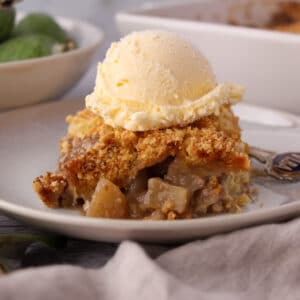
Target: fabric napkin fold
[(257, 263)]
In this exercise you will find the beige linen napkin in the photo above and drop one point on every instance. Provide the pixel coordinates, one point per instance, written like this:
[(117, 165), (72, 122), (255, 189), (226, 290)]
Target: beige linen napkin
[(256, 263)]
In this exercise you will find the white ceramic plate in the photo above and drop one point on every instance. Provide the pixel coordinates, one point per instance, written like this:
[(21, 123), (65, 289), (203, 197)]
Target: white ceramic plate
[(29, 146)]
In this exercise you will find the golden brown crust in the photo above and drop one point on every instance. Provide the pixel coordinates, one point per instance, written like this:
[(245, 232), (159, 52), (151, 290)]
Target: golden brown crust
[(50, 188), (287, 19), (290, 28), (92, 150)]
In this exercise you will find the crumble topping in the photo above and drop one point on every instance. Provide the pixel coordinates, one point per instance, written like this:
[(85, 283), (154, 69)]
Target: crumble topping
[(191, 165)]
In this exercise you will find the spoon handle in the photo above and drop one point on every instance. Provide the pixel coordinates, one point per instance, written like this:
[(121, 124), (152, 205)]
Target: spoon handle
[(260, 154)]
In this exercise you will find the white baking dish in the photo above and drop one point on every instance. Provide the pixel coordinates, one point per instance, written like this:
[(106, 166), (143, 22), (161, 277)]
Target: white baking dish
[(266, 62)]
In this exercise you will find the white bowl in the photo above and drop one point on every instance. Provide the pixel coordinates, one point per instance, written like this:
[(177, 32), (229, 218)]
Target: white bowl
[(42, 79), (267, 63)]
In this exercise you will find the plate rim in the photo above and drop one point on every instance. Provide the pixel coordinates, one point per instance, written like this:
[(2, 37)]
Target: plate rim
[(149, 225)]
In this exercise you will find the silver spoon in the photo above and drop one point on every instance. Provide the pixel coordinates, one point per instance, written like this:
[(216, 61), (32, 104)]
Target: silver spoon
[(282, 166)]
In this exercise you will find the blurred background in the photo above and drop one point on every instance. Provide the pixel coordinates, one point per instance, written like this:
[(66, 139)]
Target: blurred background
[(98, 12), (265, 62)]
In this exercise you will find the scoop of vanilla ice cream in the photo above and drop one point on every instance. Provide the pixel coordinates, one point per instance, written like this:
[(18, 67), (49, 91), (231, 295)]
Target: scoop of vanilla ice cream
[(156, 79)]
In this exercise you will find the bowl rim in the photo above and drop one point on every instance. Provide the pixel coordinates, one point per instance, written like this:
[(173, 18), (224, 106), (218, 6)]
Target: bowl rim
[(96, 42), (136, 15)]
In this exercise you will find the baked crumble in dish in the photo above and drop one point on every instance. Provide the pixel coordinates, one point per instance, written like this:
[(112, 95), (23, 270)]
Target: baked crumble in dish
[(194, 168), (287, 19)]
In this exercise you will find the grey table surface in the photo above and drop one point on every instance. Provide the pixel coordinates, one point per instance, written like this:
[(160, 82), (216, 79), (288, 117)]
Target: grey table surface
[(76, 252), (101, 13)]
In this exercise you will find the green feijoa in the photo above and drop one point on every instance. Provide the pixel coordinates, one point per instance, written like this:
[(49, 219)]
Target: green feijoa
[(40, 254), (7, 22), (27, 47), (38, 23)]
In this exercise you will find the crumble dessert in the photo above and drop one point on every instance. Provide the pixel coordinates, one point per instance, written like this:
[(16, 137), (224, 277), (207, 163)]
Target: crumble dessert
[(287, 19), (157, 140)]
